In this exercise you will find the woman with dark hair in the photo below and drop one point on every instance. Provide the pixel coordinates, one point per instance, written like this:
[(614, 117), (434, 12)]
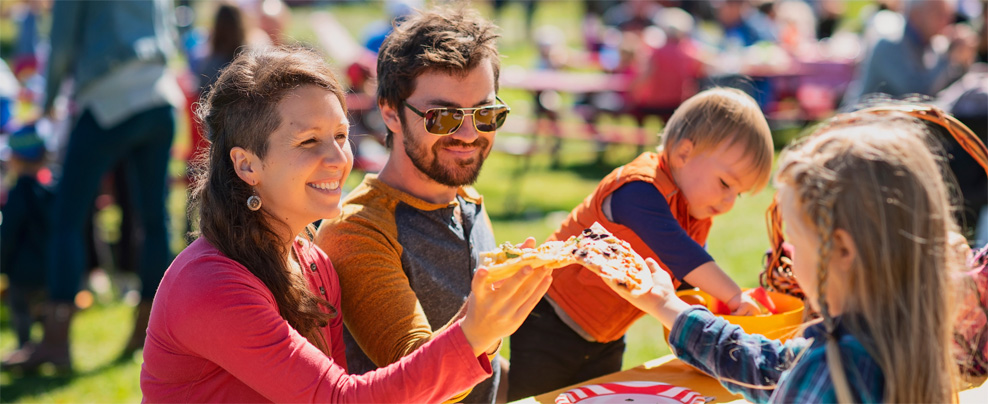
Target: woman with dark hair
[(248, 312), (229, 35)]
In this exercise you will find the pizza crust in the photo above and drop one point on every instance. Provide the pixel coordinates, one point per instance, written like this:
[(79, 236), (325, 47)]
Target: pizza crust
[(508, 260)]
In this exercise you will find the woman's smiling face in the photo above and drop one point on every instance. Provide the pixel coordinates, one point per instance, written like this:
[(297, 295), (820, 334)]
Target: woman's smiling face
[(308, 158)]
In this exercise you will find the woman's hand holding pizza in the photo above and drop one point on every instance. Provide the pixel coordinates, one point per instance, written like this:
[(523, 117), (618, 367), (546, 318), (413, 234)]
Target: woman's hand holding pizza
[(494, 313)]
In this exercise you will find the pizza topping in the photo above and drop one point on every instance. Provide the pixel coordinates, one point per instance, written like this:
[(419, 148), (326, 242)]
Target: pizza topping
[(504, 252)]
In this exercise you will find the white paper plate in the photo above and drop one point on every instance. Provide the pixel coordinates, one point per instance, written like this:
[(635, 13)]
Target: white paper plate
[(630, 392)]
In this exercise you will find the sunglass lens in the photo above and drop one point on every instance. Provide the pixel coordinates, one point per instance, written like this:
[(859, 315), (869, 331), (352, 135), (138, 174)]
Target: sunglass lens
[(443, 121), (490, 119)]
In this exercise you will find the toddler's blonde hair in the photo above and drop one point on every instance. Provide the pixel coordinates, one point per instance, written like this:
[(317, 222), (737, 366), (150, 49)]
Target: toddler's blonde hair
[(722, 115), (875, 177)]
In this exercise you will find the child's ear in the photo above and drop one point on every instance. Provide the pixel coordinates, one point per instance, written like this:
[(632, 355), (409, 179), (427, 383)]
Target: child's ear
[(844, 252), (681, 152), (246, 164)]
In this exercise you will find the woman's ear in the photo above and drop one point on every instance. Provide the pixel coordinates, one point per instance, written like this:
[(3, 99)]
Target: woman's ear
[(246, 164), (681, 152), (390, 116), (844, 252)]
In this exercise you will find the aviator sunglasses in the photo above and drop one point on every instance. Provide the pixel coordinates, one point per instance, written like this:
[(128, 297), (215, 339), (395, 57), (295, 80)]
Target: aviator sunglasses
[(445, 121)]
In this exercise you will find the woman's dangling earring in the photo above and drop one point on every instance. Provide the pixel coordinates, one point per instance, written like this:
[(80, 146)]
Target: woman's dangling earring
[(254, 202)]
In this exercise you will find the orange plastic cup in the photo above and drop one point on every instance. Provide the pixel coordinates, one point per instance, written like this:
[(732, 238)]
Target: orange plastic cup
[(779, 326)]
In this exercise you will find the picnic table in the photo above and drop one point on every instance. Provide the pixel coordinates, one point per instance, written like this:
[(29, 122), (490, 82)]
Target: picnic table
[(669, 369), (562, 80), (570, 82)]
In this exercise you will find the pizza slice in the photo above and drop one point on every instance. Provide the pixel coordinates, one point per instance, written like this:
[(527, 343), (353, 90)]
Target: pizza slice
[(595, 248), (612, 259)]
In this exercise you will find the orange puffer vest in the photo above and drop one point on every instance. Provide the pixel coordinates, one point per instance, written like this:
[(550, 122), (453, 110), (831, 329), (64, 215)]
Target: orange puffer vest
[(582, 294)]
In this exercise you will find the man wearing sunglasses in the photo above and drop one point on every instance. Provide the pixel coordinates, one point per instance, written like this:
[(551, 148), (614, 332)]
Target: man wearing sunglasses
[(408, 241)]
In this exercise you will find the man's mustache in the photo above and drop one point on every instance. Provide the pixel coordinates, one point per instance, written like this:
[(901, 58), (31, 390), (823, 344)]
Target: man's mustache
[(453, 142)]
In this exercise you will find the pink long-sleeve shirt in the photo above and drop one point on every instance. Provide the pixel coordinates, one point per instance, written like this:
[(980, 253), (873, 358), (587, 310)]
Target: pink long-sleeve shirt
[(215, 335)]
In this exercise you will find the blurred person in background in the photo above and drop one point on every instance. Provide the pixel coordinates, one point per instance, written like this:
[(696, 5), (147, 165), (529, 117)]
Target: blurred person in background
[(829, 14), (24, 231), (116, 53), (742, 25), (26, 47), (967, 100), (929, 53), (797, 26), (270, 17), (228, 36), (670, 73), (632, 16)]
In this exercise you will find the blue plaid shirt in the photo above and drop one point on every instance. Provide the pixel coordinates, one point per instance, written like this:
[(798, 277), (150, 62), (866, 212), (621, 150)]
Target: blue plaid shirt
[(793, 372)]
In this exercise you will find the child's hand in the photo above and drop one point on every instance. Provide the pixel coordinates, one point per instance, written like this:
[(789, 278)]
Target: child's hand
[(661, 301), (743, 305), (661, 279)]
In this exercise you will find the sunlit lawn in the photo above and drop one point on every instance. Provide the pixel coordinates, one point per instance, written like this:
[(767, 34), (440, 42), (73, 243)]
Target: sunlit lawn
[(528, 204)]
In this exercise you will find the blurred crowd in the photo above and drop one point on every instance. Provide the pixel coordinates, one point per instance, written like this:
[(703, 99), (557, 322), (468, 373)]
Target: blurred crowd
[(88, 122), (801, 60)]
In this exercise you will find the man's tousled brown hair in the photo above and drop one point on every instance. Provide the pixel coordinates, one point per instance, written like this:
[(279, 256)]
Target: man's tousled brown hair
[(451, 41)]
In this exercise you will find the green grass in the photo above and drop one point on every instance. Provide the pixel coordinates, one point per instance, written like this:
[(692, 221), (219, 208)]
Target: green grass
[(521, 202), (100, 374)]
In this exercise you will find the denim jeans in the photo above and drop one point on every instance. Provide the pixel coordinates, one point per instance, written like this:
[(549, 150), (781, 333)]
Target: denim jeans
[(142, 144)]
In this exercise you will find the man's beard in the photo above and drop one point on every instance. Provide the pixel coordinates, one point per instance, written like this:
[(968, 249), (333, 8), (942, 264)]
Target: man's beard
[(456, 173)]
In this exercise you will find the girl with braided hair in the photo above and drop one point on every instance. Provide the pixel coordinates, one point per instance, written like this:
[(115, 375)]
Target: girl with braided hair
[(869, 215)]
